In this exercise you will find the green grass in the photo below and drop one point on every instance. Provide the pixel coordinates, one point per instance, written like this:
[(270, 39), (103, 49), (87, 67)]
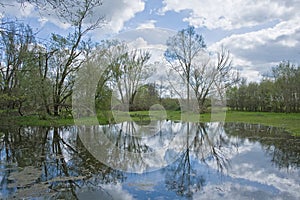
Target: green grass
[(36, 121), (291, 121), (288, 121)]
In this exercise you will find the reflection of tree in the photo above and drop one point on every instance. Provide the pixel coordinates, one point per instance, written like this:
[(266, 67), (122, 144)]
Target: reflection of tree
[(128, 138), (280, 145), (64, 163), (206, 146), (181, 177)]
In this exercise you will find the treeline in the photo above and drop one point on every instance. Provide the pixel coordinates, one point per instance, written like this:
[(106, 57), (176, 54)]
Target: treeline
[(280, 93)]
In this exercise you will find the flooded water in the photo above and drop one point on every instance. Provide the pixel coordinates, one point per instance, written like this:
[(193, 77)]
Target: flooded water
[(160, 160)]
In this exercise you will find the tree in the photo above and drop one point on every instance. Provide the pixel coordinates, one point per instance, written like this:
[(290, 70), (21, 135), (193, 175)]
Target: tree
[(286, 77), (128, 69), (181, 52), (146, 96), (76, 12), (65, 59), (16, 43), (277, 94), (203, 72), (34, 84), (209, 76)]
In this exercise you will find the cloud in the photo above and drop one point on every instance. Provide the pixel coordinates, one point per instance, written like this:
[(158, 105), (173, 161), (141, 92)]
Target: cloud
[(148, 24), (257, 51), (16, 9), (151, 35), (228, 14), (116, 13), (230, 190)]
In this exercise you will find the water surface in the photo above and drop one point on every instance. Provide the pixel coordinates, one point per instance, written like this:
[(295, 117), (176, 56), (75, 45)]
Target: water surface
[(170, 160)]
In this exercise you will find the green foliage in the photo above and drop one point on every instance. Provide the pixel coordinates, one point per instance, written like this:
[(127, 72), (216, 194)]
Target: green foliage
[(281, 94), (146, 96), (170, 104)]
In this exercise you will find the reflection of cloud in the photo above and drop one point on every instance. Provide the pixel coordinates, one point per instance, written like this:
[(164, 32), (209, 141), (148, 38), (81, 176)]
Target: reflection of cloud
[(256, 178), (116, 191), (228, 190), (108, 191)]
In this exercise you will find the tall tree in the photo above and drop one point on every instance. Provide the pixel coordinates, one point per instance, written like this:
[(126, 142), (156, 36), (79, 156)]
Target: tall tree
[(202, 72), (210, 75), (286, 80), (16, 43), (128, 69), (181, 52), (65, 60)]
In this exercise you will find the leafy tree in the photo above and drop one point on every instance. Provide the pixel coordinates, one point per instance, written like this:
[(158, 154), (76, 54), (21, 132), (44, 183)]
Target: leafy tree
[(128, 69), (286, 80), (146, 96), (16, 43), (280, 94), (65, 60)]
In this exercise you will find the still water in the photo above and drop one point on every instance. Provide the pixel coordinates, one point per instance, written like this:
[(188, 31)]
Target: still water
[(160, 160)]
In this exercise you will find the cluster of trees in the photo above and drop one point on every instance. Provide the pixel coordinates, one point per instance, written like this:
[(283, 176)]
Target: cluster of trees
[(281, 93), (39, 76)]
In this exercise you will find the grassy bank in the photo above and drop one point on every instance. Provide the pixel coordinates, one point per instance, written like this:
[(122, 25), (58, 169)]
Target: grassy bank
[(291, 121), (288, 121)]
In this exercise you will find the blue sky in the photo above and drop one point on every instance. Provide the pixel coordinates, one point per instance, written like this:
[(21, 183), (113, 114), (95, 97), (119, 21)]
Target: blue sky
[(259, 34)]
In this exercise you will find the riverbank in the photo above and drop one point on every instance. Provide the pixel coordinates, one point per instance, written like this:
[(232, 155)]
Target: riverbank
[(288, 121)]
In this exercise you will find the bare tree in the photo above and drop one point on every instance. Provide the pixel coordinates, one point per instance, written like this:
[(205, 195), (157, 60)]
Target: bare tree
[(182, 50), (201, 71), (211, 75)]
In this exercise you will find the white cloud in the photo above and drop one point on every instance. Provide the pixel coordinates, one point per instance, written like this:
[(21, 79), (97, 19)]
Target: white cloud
[(141, 43), (228, 14), (43, 21), (16, 9), (148, 24), (151, 35), (257, 51), (117, 12)]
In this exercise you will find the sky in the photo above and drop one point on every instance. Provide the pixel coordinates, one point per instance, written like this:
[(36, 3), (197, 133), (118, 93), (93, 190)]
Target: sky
[(258, 33)]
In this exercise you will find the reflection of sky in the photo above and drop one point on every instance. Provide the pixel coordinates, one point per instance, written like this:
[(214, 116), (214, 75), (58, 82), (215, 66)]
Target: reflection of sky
[(252, 176)]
